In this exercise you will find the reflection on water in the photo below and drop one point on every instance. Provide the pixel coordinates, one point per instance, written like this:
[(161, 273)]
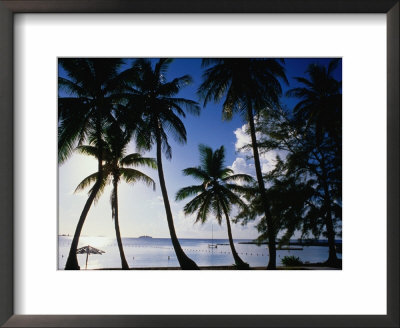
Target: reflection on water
[(158, 252)]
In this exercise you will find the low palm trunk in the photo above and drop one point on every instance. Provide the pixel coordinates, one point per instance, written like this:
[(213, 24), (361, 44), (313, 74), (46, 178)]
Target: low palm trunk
[(124, 263), (261, 186), (332, 259), (238, 261), (185, 262), (72, 261)]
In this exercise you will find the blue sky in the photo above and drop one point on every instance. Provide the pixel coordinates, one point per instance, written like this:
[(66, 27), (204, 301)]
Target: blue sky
[(141, 210)]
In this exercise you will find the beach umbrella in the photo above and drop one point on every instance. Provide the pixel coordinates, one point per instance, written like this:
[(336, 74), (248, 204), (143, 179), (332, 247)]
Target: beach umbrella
[(89, 250)]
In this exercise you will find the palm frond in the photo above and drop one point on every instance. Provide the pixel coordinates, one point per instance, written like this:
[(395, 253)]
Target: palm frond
[(86, 182), (136, 159), (88, 150), (188, 192), (196, 173), (133, 176), (239, 177)]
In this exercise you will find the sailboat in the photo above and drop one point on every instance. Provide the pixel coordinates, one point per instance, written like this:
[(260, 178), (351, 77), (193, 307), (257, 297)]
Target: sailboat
[(212, 245)]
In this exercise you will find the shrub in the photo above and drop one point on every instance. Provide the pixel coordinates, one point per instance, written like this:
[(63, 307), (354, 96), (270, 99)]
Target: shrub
[(291, 261)]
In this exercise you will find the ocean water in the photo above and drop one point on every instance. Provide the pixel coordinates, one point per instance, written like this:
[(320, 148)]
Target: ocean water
[(158, 252)]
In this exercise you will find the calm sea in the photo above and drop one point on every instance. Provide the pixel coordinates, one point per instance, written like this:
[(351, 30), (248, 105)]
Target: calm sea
[(158, 252)]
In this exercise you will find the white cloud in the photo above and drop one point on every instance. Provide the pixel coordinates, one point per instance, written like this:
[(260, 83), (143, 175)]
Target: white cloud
[(268, 160), (241, 166), (244, 163), (242, 139)]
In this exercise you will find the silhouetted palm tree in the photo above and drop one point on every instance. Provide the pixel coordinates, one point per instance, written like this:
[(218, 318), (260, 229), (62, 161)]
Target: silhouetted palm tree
[(86, 100), (155, 98), (216, 193), (320, 106), (116, 167), (248, 85)]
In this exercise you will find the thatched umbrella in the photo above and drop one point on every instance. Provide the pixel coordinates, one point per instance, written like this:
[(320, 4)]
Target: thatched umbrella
[(88, 250)]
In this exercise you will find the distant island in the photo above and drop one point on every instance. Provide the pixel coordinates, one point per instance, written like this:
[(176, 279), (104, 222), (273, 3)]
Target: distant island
[(145, 237)]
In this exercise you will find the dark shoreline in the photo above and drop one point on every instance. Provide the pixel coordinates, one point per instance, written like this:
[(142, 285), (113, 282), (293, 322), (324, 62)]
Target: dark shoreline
[(295, 243), (308, 266)]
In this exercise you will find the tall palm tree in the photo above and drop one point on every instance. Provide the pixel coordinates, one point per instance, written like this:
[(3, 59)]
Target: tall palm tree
[(155, 98), (248, 85), (116, 167), (320, 105), (216, 193), (85, 102)]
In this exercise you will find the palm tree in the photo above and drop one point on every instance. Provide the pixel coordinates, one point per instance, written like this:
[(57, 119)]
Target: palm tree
[(216, 193), (320, 106), (155, 98), (248, 85), (86, 99), (116, 167), (320, 102)]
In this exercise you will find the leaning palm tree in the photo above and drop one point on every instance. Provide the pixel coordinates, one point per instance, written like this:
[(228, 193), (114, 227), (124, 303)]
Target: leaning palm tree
[(86, 98), (248, 86), (216, 193), (155, 98), (117, 166)]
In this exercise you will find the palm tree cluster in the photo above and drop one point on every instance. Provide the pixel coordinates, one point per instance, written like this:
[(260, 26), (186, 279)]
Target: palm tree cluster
[(108, 108), (105, 104), (304, 188)]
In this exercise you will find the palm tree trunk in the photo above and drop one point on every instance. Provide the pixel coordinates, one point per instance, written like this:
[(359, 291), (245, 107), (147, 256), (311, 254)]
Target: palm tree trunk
[(72, 261), (260, 180), (238, 261), (185, 262), (332, 258), (124, 263)]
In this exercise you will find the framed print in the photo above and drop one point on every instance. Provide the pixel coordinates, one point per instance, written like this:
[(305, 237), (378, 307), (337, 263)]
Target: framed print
[(44, 43)]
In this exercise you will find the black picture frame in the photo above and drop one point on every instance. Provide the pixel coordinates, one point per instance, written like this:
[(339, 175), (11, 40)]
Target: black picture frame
[(10, 7)]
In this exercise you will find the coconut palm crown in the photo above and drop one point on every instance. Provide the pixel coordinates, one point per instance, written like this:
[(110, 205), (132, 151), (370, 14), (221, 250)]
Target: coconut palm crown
[(320, 101), (86, 99)]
